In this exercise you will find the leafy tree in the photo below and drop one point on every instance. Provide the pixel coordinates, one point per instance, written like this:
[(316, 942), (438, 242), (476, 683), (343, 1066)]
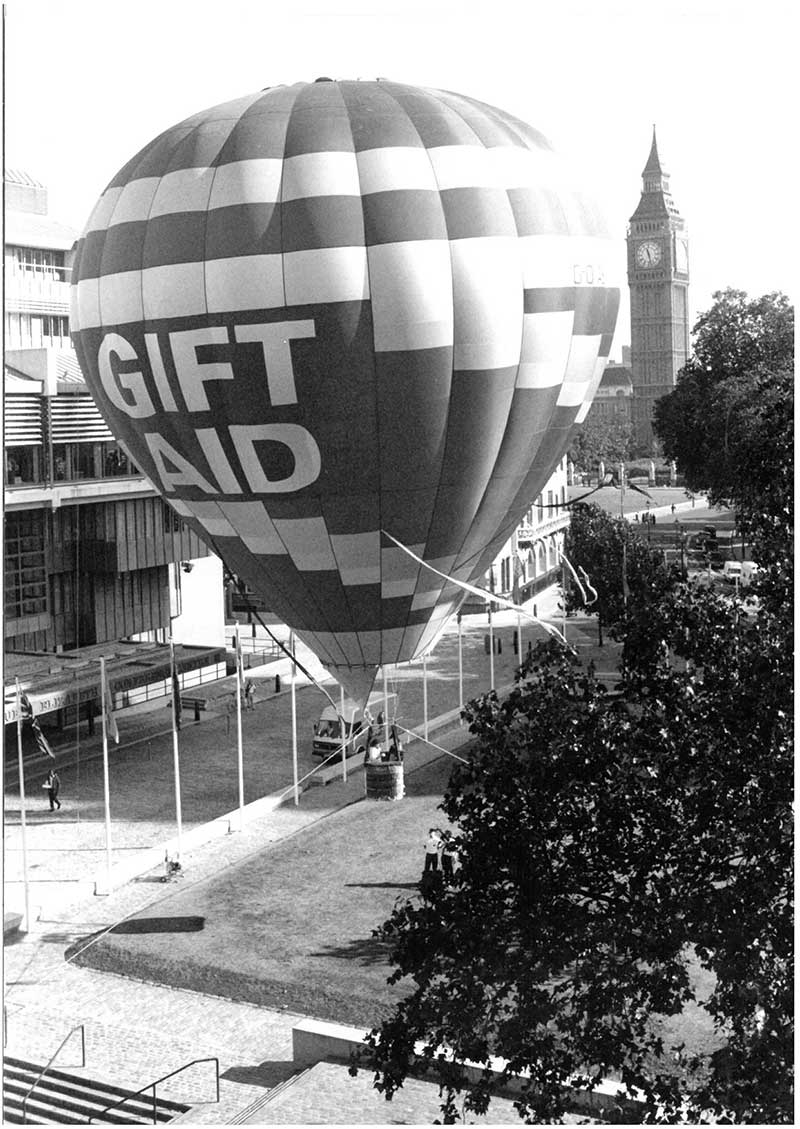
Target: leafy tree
[(601, 438), (622, 857), (732, 405), (729, 424), (620, 565), (627, 856)]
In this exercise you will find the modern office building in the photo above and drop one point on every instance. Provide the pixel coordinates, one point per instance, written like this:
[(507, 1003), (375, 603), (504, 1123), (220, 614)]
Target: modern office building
[(92, 554), (658, 276)]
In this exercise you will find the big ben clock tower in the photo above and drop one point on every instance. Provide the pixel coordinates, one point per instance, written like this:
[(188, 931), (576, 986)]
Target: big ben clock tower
[(658, 276)]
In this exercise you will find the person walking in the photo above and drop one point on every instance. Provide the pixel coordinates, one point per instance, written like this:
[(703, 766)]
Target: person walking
[(53, 786), (249, 694)]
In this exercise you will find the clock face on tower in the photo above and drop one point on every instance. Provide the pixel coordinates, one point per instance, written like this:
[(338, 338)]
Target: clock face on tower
[(648, 254)]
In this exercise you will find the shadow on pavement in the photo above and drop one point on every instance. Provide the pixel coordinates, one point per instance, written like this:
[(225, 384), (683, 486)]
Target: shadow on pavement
[(269, 1073)]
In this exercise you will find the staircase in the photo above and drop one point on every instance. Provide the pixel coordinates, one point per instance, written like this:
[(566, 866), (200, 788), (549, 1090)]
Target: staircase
[(66, 1099)]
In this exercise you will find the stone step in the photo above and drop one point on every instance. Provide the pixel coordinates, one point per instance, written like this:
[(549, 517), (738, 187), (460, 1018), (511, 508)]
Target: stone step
[(60, 1097)]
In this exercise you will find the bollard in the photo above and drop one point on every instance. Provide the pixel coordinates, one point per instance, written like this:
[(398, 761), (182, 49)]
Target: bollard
[(277, 684), (197, 710)]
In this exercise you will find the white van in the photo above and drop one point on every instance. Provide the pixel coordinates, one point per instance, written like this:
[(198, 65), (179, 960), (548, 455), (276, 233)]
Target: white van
[(328, 730), (732, 570), (741, 571)]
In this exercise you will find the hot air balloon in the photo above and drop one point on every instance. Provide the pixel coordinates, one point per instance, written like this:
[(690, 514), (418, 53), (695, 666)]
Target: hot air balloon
[(332, 311)]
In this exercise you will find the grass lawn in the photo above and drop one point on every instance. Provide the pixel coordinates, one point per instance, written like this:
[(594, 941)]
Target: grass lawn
[(290, 926)]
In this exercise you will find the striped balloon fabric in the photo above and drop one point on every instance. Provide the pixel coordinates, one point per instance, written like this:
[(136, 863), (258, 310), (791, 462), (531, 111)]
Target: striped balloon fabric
[(333, 309)]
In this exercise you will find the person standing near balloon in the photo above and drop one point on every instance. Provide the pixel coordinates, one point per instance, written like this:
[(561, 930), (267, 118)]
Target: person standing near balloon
[(432, 846), (449, 855)]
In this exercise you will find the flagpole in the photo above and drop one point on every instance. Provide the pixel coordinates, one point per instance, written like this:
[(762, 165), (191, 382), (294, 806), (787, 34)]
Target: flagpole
[(344, 735), (106, 789), (425, 696), (293, 644), (385, 709), (176, 763), (239, 752), (519, 637), (460, 673), (624, 537), (491, 649), (22, 808)]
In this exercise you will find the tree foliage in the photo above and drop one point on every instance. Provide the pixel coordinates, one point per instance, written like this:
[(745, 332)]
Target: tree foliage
[(614, 848), (620, 564), (599, 438), (731, 407), (627, 857)]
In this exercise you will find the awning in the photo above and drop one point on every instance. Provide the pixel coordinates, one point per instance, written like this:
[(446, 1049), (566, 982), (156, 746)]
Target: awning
[(144, 664)]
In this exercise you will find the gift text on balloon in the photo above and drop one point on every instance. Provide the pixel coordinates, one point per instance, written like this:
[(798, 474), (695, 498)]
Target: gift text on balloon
[(139, 386)]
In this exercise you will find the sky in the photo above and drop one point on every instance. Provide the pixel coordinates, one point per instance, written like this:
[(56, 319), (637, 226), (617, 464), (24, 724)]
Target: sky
[(88, 84)]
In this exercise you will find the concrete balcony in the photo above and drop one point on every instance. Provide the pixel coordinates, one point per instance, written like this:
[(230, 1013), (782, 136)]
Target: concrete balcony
[(51, 496), (528, 534)]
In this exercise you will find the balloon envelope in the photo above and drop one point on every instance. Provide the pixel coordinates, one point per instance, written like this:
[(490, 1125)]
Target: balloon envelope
[(333, 309)]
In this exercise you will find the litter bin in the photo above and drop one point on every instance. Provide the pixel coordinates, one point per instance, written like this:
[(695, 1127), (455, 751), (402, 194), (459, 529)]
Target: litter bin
[(384, 780)]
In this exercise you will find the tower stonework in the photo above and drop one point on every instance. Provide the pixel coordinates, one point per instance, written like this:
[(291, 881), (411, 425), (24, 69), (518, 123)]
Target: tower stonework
[(658, 277)]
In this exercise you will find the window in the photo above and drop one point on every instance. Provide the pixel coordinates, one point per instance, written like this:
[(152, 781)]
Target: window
[(26, 577), (41, 262), (90, 460), (55, 326), (23, 465)]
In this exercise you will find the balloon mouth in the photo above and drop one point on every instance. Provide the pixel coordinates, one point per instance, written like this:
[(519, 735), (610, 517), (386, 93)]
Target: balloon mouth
[(356, 681)]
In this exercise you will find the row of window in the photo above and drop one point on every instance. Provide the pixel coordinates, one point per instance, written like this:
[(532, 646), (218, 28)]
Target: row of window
[(39, 261), (32, 331), (25, 572), (536, 512), (540, 558), (71, 462)]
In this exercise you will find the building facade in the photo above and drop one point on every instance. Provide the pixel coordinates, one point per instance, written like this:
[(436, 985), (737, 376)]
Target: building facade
[(90, 549), (614, 395), (530, 560), (658, 277)]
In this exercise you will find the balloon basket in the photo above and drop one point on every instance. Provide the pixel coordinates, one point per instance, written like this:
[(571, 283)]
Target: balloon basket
[(385, 781)]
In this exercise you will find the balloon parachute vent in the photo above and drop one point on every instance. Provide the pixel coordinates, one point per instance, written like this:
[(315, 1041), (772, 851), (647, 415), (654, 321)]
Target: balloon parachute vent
[(324, 78)]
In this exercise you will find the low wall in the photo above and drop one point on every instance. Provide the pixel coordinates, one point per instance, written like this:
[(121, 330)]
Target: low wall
[(315, 1040)]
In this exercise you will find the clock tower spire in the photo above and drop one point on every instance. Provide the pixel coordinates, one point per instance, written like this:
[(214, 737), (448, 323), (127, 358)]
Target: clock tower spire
[(658, 277)]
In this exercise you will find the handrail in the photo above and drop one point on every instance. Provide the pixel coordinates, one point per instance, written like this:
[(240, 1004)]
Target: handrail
[(43, 1071), (152, 1086)]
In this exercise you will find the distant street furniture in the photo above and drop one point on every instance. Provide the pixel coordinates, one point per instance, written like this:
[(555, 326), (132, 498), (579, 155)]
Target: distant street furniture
[(384, 780)]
